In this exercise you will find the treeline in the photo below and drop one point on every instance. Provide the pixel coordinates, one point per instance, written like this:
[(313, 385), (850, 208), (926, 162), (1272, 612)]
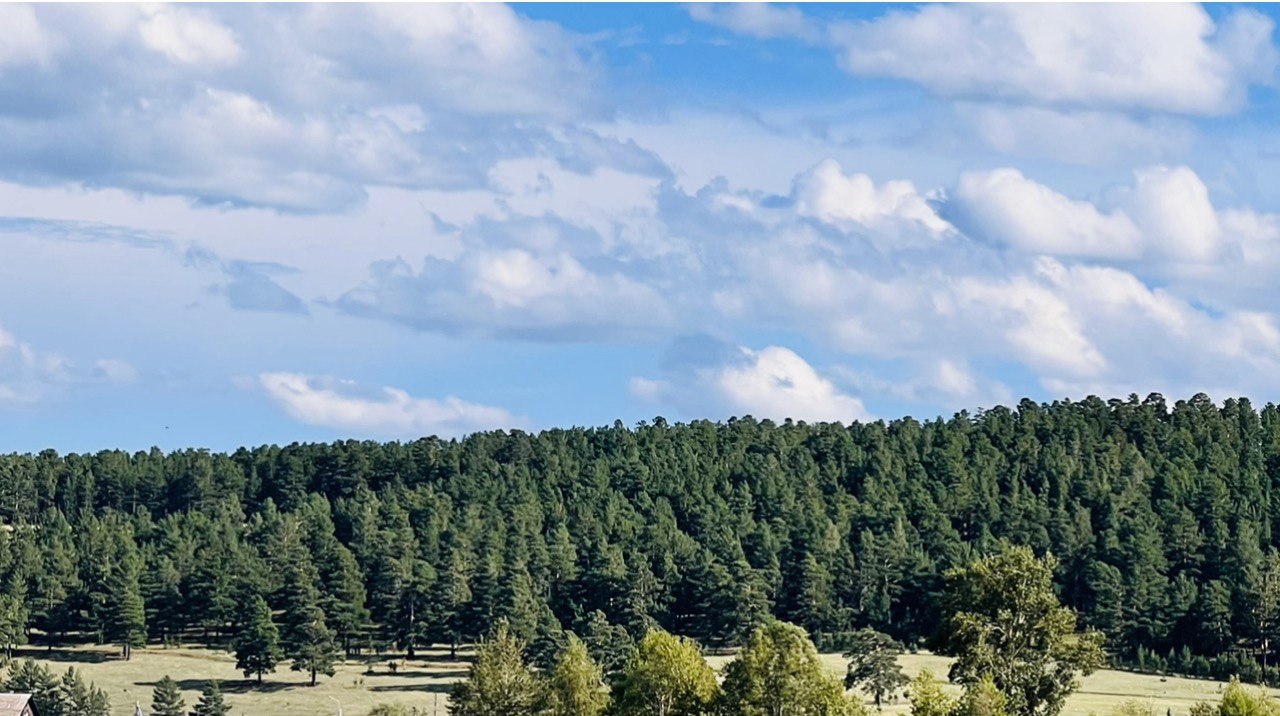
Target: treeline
[(1160, 518)]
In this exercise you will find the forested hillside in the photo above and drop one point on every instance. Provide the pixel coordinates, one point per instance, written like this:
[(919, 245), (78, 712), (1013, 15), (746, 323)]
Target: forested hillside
[(1160, 517)]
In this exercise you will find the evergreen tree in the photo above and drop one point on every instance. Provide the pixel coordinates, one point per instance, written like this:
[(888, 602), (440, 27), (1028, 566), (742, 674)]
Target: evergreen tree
[(211, 702), (80, 699), (166, 699), (28, 677), (500, 681), (308, 642), (873, 664), (126, 623), (257, 646)]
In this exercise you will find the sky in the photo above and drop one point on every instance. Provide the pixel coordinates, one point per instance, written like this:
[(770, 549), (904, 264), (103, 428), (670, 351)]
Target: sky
[(226, 225)]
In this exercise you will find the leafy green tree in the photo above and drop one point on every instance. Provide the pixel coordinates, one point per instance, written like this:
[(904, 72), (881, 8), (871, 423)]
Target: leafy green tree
[(257, 643), (982, 699), (1237, 701), (666, 676), (212, 702), (166, 699), (500, 681), (779, 674), (576, 683), (927, 697), (1004, 621), (873, 664)]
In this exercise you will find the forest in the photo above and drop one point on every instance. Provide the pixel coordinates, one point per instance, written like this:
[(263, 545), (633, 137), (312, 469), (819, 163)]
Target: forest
[(1158, 518)]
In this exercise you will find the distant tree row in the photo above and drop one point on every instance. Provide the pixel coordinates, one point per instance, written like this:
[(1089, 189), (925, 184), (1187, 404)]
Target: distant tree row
[(1160, 518), (1016, 648)]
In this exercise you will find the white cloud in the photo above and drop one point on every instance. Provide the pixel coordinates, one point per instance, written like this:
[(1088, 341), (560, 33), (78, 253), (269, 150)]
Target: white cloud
[(189, 37), (759, 20), (1165, 216), (536, 279), (827, 193), (1005, 207), (342, 98), (23, 40), (390, 412), (1171, 205), (773, 382), (1087, 54)]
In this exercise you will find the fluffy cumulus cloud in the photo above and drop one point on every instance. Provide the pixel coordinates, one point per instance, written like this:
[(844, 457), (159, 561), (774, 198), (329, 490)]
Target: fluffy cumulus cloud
[(174, 100), (387, 413), (772, 382), (826, 192), (1165, 215), (1080, 55)]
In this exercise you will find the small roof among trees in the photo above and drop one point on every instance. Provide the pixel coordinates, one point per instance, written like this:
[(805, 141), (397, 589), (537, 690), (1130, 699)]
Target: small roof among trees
[(16, 705)]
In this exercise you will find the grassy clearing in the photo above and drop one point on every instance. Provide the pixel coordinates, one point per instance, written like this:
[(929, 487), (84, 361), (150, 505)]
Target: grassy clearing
[(424, 682)]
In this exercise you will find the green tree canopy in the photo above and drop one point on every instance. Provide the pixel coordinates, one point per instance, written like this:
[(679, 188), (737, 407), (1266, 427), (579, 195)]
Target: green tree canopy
[(1002, 619), (576, 683), (666, 676), (500, 681), (873, 664), (779, 674)]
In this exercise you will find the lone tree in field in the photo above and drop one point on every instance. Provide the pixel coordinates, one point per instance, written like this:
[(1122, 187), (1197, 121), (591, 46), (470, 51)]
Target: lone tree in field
[(500, 682), (873, 664), (166, 700), (211, 702), (1003, 620), (779, 674), (666, 676), (257, 642), (308, 641), (126, 622)]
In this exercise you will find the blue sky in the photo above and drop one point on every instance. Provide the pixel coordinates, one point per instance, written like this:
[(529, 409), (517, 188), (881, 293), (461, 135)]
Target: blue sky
[(229, 224)]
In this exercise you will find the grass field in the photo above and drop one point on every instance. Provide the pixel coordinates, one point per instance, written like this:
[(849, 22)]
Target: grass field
[(424, 682)]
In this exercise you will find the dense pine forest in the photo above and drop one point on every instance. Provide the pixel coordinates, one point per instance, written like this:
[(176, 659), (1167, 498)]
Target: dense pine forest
[(1159, 516)]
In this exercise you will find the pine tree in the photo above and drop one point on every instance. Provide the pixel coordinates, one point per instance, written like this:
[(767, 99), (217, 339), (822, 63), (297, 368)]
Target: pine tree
[(306, 639), (126, 623), (166, 699), (310, 644), (873, 664), (257, 646), (80, 699), (211, 702), (28, 677)]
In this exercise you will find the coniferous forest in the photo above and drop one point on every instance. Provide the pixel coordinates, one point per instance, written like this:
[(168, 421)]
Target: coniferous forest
[(1160, 518)]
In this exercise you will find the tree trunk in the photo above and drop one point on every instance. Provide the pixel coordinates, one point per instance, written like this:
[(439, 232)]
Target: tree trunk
[(313, 677)]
